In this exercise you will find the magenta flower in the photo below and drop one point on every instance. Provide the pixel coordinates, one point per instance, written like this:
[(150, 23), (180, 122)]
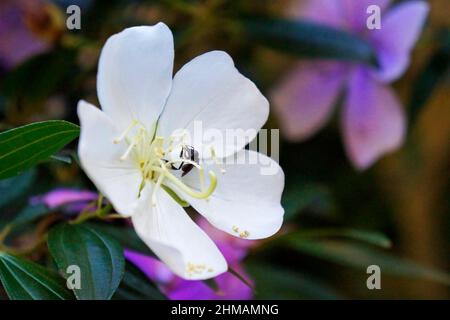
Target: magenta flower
[(17, 41), (74, 200), (176, 288), (372, 119)]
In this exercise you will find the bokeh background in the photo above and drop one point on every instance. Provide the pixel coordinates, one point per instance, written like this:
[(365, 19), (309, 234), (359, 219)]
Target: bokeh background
[(338, 219)]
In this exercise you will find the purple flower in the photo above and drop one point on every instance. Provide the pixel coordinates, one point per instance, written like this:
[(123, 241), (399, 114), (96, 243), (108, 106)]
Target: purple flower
[(74, 200), (372, 121), (18, 41), (176, 288)]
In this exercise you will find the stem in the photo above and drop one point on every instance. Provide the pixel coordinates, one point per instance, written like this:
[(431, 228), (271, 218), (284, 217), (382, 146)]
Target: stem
[(114, 216), (101, 213), (4, 233), (84, 217), (99, 201), (25, 250)]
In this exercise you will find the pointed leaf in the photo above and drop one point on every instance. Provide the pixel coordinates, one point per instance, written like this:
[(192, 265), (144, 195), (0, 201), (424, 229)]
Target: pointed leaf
[(29, 214), (62, 158), (366, 236), (126, 236), (137, 286), (435, 72), (23, 147), (275, 282), (99, 257), (14, 187), (240, 277), (359, 256), (298, 197), (25, 280), (39, 76), (309, 40)]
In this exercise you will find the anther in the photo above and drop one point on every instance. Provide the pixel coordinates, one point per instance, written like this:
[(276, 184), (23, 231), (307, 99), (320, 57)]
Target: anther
[(244, 234)]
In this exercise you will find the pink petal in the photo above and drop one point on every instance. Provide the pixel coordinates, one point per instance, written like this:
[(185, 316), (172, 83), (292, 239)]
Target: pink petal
[(304, 100), (59, 197), (356, 12), (321, 11), (400, 29), (180, 289), (373, 121), (151, 267), (230, 288), (17, 41), (350, 15)]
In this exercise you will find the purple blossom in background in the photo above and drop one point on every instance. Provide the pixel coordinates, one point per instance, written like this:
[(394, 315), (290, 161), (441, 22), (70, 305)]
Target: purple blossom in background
[(372, 119), (73, 200), (17, 41), (176, 288)]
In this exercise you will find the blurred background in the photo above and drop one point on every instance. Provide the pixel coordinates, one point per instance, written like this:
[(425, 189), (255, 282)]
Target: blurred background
[(338, 220)]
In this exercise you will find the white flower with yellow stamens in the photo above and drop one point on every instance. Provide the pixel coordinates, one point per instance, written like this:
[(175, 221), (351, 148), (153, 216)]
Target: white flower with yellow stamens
[(132, 153)]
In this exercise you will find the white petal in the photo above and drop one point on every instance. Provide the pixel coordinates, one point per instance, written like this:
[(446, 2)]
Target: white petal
[(246, 201), (118, 180), (135, 74), (211, 91), (175, 238)]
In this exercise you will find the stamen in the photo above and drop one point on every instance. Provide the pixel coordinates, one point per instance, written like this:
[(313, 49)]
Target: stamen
[(127, 152), (125, 132), (192, 268), (217, 161), (244, 234), (174, 138)]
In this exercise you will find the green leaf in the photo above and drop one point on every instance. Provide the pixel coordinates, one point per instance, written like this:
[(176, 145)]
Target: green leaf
[(23, 147), (298, 197), (137, 286), (359, 256), (429, 78), (29, 214), (25, 280), (52, 68), (125, 235), (65, 159), (369, 237), (274, 282), (212, 284), (99, 257), (309, 40), (14, 187), (240, 277)]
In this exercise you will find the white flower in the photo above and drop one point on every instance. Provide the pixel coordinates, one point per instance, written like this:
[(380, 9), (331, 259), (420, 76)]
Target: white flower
[(131, 154)]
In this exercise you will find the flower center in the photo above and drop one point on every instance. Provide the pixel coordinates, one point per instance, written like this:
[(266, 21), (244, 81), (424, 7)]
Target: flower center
[(154, 157)]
